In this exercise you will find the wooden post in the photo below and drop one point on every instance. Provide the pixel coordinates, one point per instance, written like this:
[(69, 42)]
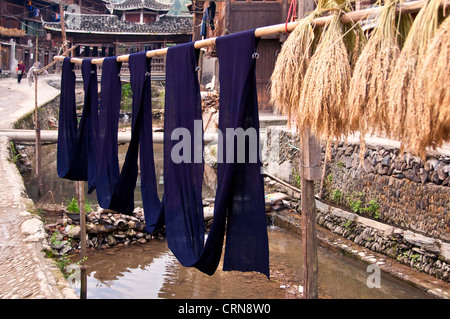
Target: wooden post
[(81, 204), (310, 171), (37, 124), (310, 158), (63, 26)]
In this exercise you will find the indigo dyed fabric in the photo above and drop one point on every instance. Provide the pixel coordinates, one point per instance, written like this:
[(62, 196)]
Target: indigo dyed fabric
[(246, 244), (141, 145), (183, 166), (109, 109), (76, 158), (239, 203)]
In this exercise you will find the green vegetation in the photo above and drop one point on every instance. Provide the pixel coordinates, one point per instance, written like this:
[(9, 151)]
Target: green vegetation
[(356, 202), (297, 182), (14, 155), (73, 207), (349, 225), (127, 98), (372, 208), (336, 196)]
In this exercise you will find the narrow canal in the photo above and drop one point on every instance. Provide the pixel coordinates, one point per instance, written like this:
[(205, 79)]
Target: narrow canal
[(152, 271)]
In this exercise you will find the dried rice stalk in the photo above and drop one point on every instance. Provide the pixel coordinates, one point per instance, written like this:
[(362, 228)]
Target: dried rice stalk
[(434, 81), (405, 108), (291, 65), (368, 86), (322, 104), (367, 100)]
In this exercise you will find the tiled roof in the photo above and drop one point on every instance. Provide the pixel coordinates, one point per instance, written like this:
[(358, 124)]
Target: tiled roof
[(138, 4), (110, 24)]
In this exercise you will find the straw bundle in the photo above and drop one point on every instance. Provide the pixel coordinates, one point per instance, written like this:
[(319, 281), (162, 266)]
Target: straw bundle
[(291, 65), (323, 97), (406, 107), (11, 32), (435, 79), (367, 101)]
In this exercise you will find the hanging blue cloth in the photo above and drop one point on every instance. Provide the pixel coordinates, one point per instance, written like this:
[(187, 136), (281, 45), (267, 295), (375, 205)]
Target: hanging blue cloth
[(76, 151), (239, 203), (141, 145), (205, 22), (108, 170), (183, 166), (208, 18)]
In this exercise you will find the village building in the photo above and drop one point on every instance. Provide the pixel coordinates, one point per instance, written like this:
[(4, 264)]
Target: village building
[(98, 28), (20, 25), (127, 27)]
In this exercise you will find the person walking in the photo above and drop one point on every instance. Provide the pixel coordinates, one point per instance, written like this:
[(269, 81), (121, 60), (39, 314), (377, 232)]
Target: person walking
[(20, 71)]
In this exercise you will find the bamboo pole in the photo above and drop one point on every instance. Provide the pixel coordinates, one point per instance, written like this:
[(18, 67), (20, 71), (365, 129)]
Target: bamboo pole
[(81, 205), (350, 17), (37, 125), (63, 26)]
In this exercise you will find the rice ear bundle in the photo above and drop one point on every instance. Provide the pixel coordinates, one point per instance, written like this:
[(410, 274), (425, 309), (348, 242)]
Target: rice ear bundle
[(435, 80), (367, 99), (322, 104), (291, 65), (406, 107)]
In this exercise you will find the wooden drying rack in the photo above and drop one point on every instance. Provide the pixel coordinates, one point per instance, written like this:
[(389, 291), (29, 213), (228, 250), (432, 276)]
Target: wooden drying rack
[(350, 17)]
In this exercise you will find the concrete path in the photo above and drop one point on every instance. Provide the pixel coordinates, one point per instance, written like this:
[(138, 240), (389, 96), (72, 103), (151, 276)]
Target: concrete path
[(24, 270), (16, 99)]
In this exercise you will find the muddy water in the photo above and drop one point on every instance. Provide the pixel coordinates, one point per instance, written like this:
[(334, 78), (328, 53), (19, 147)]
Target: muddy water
[(151, 271)]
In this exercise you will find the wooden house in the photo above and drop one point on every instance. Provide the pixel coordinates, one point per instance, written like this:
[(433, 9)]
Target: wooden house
[(127, 27)]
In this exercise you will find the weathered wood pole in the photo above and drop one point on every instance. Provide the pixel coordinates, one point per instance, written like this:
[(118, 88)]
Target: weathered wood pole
[(310, 158), (63, 26), (37, 124), (83, 244), (310, 171)]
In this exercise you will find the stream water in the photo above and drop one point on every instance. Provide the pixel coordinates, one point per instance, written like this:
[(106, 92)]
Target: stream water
[(152, 271)]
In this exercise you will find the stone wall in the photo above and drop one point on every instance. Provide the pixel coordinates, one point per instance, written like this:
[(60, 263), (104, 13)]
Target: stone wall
[(423, 253), (393, 203), (47, 116), (411, 193), (398, 189)]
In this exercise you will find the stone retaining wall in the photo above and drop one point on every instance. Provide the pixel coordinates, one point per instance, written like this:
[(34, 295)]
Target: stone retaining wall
[(410, 193), (424, 253), (395, 191)]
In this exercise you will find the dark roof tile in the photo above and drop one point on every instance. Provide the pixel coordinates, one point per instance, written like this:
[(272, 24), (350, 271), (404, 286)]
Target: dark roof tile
[(109, 23), (138, 4)]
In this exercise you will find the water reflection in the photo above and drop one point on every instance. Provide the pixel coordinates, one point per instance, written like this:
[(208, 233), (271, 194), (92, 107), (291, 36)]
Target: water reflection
[(151, 271), (60, 191)]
